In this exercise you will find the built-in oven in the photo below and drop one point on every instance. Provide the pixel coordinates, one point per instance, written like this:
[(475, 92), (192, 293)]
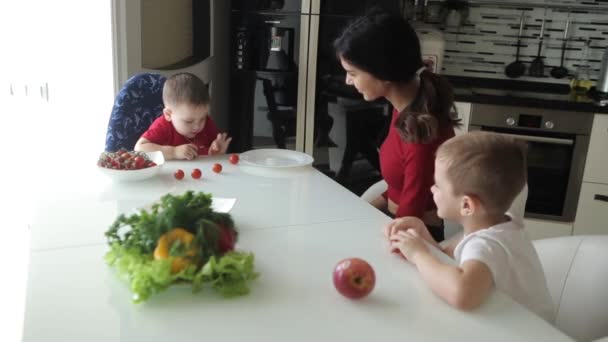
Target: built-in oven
[(557, 146)]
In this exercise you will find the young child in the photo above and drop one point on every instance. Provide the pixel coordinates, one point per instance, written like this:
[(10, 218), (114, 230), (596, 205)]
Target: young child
[(185, 129), (477, 176)]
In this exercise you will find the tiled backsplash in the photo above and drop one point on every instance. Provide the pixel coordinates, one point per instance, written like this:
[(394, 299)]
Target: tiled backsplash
[(486, 41)]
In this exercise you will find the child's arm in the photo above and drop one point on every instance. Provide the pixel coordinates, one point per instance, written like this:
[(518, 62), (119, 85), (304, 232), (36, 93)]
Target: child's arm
[(186, 151), (464, 287), (410, 222)]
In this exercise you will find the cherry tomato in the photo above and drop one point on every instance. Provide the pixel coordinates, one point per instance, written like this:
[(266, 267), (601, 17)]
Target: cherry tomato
[(139, 162), (196, 174), (234, 158), (217, 168), (179, 174)]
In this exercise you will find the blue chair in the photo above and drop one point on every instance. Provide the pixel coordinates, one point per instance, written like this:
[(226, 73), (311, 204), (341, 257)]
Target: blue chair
[(138, 103)]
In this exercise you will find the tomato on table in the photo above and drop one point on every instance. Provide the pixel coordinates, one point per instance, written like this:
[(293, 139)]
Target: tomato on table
[(196, 173), (179, 174), (234, 158)]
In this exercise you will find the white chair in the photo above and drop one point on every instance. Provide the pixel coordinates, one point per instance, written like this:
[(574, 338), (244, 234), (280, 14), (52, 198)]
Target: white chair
[(374, 191), (576, 268)]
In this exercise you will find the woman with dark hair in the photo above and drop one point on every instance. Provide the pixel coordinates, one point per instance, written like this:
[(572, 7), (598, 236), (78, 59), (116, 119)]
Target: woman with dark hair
[(380, 53)]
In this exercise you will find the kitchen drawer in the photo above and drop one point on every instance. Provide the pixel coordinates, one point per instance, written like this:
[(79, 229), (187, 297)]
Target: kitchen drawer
[(464, 113), (542, 229), (592, 212), (596, 166)]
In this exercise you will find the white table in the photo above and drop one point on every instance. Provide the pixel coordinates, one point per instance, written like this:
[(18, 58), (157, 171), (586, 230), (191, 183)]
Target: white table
[(80, 210), (302, 228)]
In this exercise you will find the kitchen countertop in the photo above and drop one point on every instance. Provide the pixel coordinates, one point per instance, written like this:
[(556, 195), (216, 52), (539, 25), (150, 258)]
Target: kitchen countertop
[(522, 93)]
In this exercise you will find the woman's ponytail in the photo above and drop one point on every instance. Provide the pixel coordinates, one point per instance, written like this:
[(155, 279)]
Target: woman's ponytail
[(419, 128), (432, 108)]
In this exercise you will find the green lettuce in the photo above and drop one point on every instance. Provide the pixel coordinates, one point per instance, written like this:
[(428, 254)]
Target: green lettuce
[(229, 274)]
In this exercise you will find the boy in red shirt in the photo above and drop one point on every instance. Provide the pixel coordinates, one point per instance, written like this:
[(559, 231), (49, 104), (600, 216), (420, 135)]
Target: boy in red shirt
[(185, 130)]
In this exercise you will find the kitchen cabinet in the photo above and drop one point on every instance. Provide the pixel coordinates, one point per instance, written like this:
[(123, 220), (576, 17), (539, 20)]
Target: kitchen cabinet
[(596, 167), (592, 210), (543, 229), (463, 109)]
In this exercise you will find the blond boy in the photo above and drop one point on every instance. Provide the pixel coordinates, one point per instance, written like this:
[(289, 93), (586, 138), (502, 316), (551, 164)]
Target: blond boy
[(477, 176), (185, 130)]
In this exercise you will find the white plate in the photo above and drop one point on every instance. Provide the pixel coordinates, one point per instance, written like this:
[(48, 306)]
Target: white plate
[(136, 175), (275, 158)]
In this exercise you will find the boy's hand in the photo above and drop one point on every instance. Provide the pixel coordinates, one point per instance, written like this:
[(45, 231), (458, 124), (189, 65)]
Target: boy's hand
[(185, 151), (405, 223), (220, 144), (409, 244)]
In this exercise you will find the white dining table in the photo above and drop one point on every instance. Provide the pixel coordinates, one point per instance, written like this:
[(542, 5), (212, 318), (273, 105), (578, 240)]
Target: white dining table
[(298, 222)]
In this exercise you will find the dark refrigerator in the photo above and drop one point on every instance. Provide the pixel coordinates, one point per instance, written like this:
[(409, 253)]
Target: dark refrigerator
[(288, 89), (269, 45)]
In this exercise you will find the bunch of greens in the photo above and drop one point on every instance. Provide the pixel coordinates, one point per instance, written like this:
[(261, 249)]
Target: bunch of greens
[(134, 241)]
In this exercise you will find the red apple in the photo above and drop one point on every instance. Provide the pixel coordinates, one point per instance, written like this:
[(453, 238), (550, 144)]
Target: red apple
[(354, 278)]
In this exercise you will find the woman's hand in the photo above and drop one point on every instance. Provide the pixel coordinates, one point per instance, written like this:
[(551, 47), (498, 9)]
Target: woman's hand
[(409, 244), (220, 144), (380, 203)]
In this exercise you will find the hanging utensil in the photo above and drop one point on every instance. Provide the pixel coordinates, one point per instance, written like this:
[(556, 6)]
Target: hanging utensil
[(582, 80), (517, 68), (537, 67), (561, 71)]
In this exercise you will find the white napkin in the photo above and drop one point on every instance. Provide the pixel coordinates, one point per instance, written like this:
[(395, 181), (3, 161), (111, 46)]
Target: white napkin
[(222, 205)]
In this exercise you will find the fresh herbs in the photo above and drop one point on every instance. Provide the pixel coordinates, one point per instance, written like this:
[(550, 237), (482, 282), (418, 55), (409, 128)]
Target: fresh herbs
[(133, 240)]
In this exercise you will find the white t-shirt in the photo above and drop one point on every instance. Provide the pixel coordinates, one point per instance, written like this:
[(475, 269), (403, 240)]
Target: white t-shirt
[(514, 264)]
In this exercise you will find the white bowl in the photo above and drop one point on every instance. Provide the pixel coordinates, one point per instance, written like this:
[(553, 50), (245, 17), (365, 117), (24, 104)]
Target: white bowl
[(136, 175)]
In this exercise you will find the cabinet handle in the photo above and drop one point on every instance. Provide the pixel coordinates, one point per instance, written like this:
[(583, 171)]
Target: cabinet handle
[(603, 198)]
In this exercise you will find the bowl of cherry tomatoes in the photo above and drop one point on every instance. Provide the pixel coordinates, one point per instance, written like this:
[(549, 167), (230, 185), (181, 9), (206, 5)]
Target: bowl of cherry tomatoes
[(126, 166)]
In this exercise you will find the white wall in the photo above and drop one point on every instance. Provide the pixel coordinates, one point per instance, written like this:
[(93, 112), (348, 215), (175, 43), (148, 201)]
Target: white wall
[(65, 47)]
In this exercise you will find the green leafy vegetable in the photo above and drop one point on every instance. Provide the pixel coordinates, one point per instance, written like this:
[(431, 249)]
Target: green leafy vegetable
[(133, 239), (229, 275), (178, 248)]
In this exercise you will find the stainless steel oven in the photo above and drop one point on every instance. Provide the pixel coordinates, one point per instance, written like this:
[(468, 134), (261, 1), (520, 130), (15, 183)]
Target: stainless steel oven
[(557, 146)]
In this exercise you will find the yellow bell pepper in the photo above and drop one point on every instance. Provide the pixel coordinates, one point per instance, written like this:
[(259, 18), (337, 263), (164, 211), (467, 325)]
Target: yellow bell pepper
[(161, 251)]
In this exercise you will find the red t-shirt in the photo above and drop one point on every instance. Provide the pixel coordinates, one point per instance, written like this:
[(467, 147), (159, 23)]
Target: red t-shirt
[(408, 169), (163, 133)]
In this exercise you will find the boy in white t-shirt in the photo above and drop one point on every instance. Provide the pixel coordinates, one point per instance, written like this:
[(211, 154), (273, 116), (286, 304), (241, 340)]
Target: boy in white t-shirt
[(477, 176)]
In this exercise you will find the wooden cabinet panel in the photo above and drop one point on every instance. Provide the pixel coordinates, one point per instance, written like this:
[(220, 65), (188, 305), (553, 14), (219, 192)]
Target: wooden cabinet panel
[(592, 212), (596, 167)]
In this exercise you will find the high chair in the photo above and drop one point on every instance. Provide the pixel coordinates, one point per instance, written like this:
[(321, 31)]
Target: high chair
[(138, 103)]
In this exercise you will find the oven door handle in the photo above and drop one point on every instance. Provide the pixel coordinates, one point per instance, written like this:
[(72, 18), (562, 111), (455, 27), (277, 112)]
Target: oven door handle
[(533, 138), (599, 197)]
